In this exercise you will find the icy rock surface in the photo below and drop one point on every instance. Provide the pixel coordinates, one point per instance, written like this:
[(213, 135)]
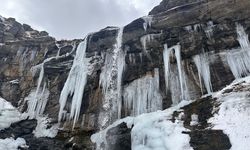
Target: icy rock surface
[(151, 131), (233, 115), (8, 114)]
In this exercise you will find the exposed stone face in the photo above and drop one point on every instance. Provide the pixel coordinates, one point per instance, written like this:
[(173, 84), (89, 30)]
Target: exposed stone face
[(174, 21)]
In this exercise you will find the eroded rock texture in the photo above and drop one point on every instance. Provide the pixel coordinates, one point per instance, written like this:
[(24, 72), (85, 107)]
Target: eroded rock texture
[(198, 26)]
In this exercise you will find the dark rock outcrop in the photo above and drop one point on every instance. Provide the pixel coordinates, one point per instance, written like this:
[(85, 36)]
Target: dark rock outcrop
[(187, 22)]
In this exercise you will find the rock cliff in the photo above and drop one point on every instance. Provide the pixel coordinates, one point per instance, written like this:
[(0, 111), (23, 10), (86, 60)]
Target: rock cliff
[(182, 50)]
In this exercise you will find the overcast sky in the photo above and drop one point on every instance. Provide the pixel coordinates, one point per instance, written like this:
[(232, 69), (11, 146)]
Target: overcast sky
[(68, 19)]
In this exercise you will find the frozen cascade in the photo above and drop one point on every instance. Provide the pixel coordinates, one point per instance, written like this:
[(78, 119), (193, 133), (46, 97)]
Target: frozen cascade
[(239, 59), (170, 74), (202, 63), (147, 22), (75, 83), (151, 131), (142, 95), (242, 37), (37, 100), (111, 80)]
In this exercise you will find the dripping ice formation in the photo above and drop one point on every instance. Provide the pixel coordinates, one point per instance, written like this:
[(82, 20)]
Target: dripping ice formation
[(180, 82), (143, 95), (147, 22), (111, 79), (202, 63), (239, 59), (75, 84)]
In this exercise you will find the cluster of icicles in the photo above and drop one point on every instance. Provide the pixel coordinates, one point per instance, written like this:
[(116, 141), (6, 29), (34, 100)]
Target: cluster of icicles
[(142, 95)]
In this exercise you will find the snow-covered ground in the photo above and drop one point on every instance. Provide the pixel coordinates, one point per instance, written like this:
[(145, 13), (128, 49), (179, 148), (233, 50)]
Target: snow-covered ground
[(12, 144), (8, 114), (233, 115)]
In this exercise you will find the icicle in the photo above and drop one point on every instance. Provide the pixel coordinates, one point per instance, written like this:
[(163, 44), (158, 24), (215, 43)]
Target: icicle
[(169, 75), (147, 22), (142, 95), (75, 83), (239, 59), (202, 64), (38, 100), (111, 78), (242, 37)]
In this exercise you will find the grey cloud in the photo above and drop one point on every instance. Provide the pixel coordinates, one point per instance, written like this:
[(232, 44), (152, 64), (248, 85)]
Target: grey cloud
[(75, 18)]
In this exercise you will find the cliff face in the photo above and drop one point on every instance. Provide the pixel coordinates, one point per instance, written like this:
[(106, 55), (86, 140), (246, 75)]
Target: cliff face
[(193, 40)]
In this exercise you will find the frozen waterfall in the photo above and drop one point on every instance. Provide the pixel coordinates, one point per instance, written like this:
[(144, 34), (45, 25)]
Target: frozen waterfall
[(111, 80), (239, 59), (75, 84), (143, 95), (174, 83), (202, 63)]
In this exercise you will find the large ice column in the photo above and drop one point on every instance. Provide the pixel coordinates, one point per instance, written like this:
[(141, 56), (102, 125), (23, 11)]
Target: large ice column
[(239, 59), (169, 53), (143, 95), (111, 80), (75, 83), (202, 63)]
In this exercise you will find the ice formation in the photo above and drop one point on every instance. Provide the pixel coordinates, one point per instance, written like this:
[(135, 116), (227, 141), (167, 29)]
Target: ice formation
[(143, 95), (75, 84), (175, 84), (239, 59), (202, 63), (147, 22), (8, 114), (111, 79), (151, 131)]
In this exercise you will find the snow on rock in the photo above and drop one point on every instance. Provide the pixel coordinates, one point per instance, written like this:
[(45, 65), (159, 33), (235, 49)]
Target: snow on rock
[(8, 114), (233, 115), (151, 131), (12, 144), (43, 130), (194, 120)]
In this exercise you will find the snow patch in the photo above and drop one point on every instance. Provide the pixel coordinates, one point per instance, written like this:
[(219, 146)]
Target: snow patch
[(43, 130), (12, 144), (233, 115), (8, 114)]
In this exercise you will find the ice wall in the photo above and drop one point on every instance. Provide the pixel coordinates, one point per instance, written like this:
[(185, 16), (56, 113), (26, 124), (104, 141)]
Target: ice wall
[(143, 95), (111, 82), (239, 59), (75, 84)]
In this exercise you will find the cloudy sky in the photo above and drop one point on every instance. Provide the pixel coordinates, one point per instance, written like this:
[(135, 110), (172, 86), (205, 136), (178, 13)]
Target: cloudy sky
[(67, 19)]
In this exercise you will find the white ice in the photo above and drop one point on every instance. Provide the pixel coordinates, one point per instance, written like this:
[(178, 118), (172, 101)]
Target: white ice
[(202, 64), (75, 83), (143, 95), (111, 80)]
